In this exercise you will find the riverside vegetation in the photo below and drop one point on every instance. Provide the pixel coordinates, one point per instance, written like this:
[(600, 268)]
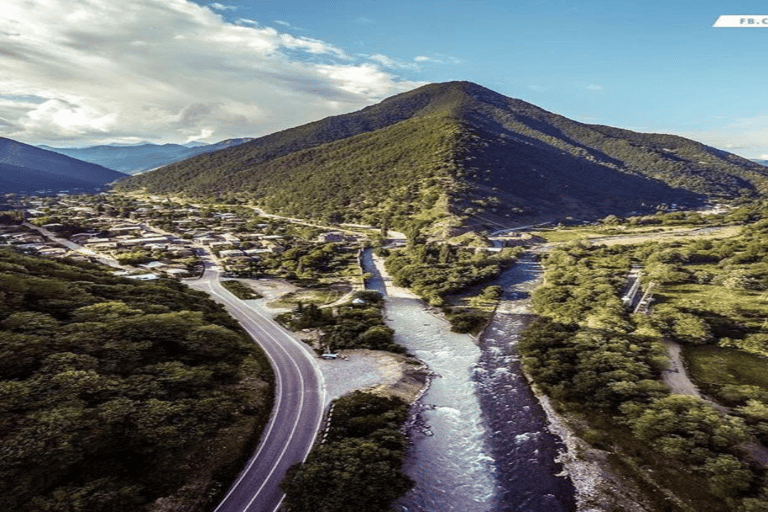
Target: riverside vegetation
[(603, 366), (358, 467), (442, 274), (119, 395)]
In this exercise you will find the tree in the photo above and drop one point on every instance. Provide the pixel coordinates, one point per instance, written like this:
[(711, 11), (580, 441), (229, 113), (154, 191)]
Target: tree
[(727, 476), (685, 428), (378, 337), (346, 476)]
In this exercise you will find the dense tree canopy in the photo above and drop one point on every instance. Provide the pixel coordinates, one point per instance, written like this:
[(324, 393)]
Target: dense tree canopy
[(108, 386), (358, 467)]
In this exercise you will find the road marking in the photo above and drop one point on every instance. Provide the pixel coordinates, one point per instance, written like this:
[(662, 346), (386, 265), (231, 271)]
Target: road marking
[(247, 312)]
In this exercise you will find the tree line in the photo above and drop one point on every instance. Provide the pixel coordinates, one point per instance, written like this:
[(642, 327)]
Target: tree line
[(589, 354)]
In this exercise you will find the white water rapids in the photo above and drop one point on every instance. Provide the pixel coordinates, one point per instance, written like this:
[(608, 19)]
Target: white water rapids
[(481, 443)]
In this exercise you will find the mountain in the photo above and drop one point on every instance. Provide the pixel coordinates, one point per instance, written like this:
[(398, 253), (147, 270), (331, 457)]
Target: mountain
[(456, 156), (25, 168), (140, 157)]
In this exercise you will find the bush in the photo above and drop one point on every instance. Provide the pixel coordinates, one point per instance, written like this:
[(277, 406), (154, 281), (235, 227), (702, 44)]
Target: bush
[(467, 322)]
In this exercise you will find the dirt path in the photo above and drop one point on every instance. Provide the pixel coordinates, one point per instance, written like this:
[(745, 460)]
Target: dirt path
[(675, 376)]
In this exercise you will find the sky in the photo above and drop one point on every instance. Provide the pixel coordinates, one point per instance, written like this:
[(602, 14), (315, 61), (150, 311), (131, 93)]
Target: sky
[(77, 73)]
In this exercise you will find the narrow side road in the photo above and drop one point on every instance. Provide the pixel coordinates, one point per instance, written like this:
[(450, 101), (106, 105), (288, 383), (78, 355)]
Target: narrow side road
[(298, 409)]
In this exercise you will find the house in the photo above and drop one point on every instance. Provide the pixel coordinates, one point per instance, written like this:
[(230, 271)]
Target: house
[(52, 251), (153, 265), (103, 246), (94, 241), (80, 238), (131, 242), (232, 253), (232, 239), (143, 277), (177, 272), (206, 240), (256, 252)]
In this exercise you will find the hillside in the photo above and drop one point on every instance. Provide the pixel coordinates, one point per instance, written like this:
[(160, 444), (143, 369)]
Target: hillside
[(131, 159), (458, 155), (25, 168), (116, 392)]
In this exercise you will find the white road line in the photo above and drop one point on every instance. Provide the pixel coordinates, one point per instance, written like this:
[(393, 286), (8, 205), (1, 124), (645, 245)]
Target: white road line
[(246, 311)]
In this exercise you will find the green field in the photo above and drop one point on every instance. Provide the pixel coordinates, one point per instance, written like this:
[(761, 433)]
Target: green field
[(713, 367)]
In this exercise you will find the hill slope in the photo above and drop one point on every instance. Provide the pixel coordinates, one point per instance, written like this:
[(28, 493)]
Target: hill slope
[(463, 153), (122, 387), (131, 159), (27, 168)]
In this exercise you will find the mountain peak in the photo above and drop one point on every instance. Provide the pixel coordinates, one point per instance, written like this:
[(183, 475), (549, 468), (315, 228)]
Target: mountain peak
[(459, 154)]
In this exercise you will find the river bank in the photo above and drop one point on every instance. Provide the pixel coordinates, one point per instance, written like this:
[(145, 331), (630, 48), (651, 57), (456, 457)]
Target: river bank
[(596, 486), (447, 457), (361, 369), (452, 452), (526, 458)]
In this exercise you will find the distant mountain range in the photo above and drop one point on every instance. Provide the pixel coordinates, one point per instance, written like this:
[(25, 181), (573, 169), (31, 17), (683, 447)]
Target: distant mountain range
[(140, 157), (455, 156), (25, 168)]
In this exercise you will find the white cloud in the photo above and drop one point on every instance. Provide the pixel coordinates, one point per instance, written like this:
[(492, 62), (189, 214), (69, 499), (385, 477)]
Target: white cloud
[(221, 7), (746, 137), (594, 87), (288, 25), (389, 62), (87, 71), (437, 59)]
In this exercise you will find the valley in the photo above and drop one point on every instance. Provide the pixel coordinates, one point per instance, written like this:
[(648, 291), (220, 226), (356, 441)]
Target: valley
[(461, 193), (673, 229)]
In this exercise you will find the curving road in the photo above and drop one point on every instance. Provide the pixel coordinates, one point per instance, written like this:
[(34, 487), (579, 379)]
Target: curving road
[(298, 410)]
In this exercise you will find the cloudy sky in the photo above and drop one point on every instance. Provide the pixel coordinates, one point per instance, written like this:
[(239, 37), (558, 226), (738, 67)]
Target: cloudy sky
[(84, 72)]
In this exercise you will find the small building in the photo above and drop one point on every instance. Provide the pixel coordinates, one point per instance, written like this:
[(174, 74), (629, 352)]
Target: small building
[(331, 237), (143, 277), (153, 265), (231, 253), (52, 251), (177, 272)]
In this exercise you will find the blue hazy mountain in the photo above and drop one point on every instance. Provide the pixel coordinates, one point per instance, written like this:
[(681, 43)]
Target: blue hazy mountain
[(141, 157), (26, 168)]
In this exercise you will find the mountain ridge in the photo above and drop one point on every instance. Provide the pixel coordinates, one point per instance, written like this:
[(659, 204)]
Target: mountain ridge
[(25, 168), (462, 156), (133, 158)]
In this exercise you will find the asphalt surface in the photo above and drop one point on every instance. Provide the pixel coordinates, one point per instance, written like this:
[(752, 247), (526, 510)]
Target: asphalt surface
[(298, 409)]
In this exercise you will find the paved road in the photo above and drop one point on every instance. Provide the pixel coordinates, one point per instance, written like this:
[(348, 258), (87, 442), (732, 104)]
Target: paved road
[(298, 410)]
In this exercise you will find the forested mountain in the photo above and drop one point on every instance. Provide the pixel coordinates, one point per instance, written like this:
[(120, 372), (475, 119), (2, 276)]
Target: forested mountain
[(113, 392), (131, 159), (458, 155), (25, 168)]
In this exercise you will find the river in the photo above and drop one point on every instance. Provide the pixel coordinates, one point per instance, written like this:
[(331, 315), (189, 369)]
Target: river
[(480, 442)]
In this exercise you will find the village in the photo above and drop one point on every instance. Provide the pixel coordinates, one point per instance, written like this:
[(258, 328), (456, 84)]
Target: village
[(154, 238)]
